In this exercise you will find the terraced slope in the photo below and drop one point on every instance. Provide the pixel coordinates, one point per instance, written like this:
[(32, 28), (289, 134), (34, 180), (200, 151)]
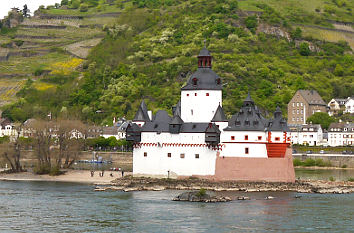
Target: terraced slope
[(48, 38)]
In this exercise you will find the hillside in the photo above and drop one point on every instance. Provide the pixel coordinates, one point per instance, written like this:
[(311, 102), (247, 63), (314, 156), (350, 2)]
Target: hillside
[(149, 48)]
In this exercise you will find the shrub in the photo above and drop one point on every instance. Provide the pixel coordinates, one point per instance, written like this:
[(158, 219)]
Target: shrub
[(251, 22), (351, 179), (38, 71), (344, 166), (331, 178), (64, 2), (83, 7), (297, 162), (201, 192), (42, 169), (55, 171), (304, 49), (18, 42), (309, 162)]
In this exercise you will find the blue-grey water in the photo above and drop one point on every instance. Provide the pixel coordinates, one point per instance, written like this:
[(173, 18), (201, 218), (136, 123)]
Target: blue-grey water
[(68, 207)]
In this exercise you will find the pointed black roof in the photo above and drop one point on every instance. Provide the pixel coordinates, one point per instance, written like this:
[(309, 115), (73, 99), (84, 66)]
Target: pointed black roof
[(278, 123), (204, 52), (248, 101), (140, 115), (176, 120), (177, 109), (219, 115), (248, 118)]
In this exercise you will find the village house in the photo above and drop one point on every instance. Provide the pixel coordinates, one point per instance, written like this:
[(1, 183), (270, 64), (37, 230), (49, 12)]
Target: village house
[(304, 104), (7, 128), (349, 105), (341, 134), (311, 134), (199, 140), (335, 106)]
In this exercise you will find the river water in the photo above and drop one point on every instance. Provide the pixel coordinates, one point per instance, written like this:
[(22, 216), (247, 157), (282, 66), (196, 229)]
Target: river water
[(69, 207)]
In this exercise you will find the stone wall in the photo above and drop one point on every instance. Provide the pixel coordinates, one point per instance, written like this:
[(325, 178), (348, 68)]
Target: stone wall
[(337, 160)]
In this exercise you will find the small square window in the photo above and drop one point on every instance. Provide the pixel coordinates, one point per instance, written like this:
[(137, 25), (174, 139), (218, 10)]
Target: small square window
[(207, 94), (182, 156), (169, 155), (259, 137), (187, 94), (145, 154), (246, 151), (197, 156), (246, 137), (232, 137), (195, 94), (277, 139)]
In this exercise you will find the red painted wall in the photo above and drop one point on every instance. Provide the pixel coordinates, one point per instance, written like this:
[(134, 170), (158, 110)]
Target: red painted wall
[(256, 169)]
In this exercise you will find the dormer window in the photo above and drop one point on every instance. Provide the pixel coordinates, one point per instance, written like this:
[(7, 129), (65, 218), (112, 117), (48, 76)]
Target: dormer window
[(195, 81)]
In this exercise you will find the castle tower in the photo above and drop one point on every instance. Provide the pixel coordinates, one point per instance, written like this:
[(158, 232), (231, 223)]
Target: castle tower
[(203, 93)]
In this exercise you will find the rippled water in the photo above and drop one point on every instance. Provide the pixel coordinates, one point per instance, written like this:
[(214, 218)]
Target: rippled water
[(67, 207)]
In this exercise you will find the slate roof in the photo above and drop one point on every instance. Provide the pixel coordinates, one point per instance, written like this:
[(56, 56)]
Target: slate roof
[(176, 120), (207, 79), (177, 109), (248, 118), (204, 52), (341, 126), (278, 123), (219, 115), (142, 114), (312, 97), (110, 130)]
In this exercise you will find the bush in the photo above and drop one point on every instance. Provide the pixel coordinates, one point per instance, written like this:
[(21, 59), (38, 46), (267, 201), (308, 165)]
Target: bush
[(38, 71), (55, 171), (344, 166), (297, 162), (309, 162), (42, 169), (304, 49), (83, 7), (351, 179), (64, 2), (331, 178), (18, 42), (201, 192)]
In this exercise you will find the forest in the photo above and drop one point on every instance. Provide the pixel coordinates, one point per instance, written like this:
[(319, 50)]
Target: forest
[(150, 52)]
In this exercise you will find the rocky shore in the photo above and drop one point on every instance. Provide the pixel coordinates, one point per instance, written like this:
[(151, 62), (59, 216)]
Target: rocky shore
[(129, 184)]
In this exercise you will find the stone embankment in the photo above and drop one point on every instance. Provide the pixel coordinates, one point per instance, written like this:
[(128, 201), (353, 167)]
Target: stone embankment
[(129, 184)]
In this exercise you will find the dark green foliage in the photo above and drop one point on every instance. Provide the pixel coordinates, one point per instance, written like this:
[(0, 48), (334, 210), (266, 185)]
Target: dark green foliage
[(201, 192), (304, 49), (311, 163), (64, 2), (83, 7), (296, 34), (251, 23), (321, 118), (151, 50)]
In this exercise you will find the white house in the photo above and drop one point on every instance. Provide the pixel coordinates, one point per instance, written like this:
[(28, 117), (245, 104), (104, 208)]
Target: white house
[(349, 105), (336, 105), (311, 135), (198, 139), (341, 134), (7, 128)]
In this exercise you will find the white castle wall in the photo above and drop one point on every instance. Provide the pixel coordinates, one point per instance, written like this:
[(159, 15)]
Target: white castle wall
[(157, 162), (237, 147), (197, 106)]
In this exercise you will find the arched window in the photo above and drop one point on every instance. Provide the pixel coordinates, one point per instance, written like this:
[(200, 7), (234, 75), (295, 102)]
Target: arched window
[(195, 81)]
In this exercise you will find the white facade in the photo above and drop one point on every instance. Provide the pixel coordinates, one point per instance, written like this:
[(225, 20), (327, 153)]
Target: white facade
[(311, 135), (244, 144), (199, 105), (173, 154), (8, 130), (340, 134), (349, 106)]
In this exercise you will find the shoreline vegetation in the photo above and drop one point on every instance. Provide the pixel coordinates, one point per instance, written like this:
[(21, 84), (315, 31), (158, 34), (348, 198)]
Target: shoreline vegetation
[(129, 184)]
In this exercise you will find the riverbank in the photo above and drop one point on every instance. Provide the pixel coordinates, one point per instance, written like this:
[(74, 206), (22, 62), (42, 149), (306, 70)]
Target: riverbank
[(129, 184), (77, 176)]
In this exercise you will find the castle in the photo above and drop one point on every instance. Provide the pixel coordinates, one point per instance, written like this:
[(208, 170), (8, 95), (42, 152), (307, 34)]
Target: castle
[(199, 140)]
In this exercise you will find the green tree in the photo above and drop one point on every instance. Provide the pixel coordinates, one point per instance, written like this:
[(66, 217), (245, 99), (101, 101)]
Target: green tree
[(321, 118), (304, 49)]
